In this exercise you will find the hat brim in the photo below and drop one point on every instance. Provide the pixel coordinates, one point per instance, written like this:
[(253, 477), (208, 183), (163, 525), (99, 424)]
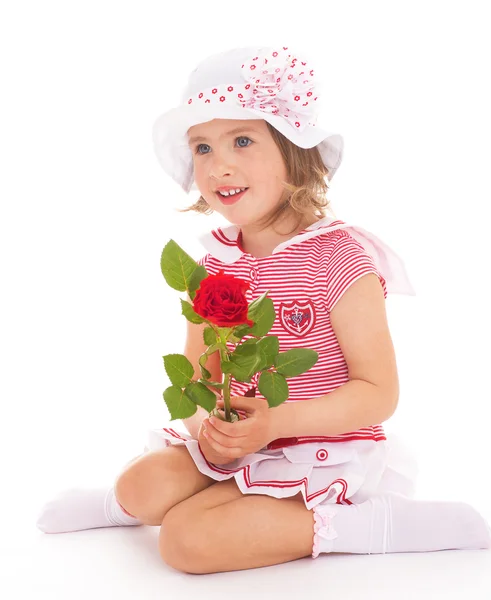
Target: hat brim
[(170, 138)]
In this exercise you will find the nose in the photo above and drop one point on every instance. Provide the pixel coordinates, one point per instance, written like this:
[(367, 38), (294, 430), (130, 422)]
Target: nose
[(222, 164)]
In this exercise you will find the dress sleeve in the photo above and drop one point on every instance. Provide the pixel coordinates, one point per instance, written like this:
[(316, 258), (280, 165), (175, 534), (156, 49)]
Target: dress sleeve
[(347, 262)]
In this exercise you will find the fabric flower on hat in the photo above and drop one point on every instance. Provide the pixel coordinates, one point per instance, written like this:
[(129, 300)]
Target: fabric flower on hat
[(275, 82), (282, 85)]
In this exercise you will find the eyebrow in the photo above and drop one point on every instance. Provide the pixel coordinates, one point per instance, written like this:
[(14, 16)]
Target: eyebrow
[(232, 132)]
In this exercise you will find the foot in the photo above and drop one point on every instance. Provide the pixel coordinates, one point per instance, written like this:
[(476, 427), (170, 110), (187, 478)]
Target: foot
[(78, 509)]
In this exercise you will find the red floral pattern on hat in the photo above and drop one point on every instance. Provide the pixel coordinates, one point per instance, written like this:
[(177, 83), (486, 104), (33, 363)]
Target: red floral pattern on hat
[(280, 88), (274, 84)]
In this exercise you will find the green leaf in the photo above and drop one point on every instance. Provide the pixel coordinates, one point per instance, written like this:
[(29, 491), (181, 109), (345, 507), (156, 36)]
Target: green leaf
[(273, 387), (257, 301), (239, 332), (251, 342), (214, 384), (216, 347), (178, 368), (204, 371), (262, 312), (204, 357), (202, 362), (226, 366), (246, 356), (268, 348), (209, 336), (188, 311), (201, 395), (179, 404), (178, 267), (225, 332), (296, 361), (195, 280), (243, 362), (239, 373)]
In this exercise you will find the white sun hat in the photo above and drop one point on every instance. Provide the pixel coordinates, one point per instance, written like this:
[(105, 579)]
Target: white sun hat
[(246, 83)]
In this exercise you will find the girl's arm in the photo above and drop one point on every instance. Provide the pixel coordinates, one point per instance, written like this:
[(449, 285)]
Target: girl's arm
[(370, 397), (193, 424), (352, 406)]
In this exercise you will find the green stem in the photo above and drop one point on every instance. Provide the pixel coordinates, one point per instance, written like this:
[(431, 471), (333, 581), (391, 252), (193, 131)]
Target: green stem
[(226, 387), (224, 357)]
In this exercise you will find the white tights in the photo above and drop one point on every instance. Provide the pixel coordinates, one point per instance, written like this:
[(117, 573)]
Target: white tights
[(77, 509), (386, 523), (391, 522)]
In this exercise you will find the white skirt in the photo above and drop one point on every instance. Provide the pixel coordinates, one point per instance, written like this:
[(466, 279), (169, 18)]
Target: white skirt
[(324, 472)]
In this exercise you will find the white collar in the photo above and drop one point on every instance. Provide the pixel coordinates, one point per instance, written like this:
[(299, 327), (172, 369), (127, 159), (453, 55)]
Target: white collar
[(222, 244)]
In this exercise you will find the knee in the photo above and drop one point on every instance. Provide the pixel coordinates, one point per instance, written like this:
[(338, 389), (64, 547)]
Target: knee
[(181, 544), (126, 494), (132, 490)]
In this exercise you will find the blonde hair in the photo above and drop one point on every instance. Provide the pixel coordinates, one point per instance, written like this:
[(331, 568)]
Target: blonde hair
[(305, 192)]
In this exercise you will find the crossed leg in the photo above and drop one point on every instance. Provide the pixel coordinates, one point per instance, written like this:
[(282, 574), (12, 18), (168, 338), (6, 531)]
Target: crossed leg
[(154, 482), (220, 529)]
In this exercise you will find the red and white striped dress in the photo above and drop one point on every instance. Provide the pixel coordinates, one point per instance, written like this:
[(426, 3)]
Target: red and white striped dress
[(305, 277)]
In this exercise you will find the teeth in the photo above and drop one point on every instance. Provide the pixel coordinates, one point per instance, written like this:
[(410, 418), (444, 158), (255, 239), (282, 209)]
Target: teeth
[(232, 192)]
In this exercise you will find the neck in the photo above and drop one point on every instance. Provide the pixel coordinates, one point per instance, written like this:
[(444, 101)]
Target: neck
[(262, 243)]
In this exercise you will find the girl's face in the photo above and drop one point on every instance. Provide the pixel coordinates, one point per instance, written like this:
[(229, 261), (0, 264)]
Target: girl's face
[(238, 153)]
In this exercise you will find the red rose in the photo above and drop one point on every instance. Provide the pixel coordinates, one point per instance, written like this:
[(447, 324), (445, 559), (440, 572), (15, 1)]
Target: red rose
[(221, 300)]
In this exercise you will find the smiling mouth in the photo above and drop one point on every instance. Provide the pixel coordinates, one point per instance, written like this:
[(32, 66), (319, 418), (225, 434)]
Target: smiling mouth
[(231, 199)]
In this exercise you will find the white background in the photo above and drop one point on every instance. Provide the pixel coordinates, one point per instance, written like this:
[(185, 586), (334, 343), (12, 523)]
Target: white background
[(86, 314)]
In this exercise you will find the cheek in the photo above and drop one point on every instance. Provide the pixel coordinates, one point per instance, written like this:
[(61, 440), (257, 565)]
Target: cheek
[(202, 181), (269, 178), (198, 172), (261, 171), (267, 170)]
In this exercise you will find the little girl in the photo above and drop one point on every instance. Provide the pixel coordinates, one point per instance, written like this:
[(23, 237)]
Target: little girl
[(316, 474)]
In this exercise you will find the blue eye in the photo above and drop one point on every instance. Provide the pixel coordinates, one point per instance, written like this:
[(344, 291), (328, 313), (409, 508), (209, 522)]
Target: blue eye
[(198, 147), (242, 137)]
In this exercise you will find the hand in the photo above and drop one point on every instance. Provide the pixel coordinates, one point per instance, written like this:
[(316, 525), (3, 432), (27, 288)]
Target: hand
[(211, 455), (247, 436)]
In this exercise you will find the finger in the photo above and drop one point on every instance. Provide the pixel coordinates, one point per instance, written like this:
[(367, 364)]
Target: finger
[(227, 441), (224, 451), (214, 445), (233, 430), (250, 405), (247, 405), (222, 425), (236, 430)]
